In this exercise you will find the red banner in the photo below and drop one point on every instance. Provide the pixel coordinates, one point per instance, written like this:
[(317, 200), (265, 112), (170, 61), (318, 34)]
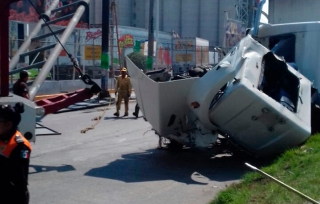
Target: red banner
[(26, 12)]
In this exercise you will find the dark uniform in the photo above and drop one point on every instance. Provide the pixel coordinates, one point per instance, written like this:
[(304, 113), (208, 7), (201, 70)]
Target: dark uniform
[(20, 88), (14, 169)]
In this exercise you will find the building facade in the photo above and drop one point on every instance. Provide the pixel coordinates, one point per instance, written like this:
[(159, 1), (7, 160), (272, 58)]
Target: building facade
[(188, 18), (288, 11)]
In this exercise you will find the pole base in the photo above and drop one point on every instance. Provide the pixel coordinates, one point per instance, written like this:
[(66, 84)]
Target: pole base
[(104, 94)]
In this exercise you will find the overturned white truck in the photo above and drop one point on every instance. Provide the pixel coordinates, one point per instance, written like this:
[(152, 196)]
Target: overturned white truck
[(256, 98)]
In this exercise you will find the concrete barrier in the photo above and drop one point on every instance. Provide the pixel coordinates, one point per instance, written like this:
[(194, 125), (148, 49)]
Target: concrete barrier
[(49, 87)]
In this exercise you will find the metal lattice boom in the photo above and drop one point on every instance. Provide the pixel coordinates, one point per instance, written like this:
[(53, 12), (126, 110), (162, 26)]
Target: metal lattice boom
[(242, 10)]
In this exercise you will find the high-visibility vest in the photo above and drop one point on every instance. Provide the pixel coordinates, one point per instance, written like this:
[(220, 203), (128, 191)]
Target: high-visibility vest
[(7, 147)]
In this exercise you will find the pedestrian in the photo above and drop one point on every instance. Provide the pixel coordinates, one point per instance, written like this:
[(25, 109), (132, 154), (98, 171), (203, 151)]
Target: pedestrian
[(20, 88), (137, 108), (136, 111), (123, 88), (14, 157)]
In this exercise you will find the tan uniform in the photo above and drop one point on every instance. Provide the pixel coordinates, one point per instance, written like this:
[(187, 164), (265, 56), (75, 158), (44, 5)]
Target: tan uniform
[(123, 87)]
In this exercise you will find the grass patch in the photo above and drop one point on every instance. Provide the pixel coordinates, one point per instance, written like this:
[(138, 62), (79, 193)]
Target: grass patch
[(298, 168)]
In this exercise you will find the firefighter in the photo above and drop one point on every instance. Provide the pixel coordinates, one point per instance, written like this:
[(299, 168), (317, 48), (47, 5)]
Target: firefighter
[(14, 157), (123, 88), (20, 88)]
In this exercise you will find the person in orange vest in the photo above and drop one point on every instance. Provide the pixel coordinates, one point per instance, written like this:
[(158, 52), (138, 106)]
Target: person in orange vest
[(123, 88), (14, 157)]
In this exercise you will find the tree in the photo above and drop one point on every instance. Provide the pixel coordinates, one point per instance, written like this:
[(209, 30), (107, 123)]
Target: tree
[(139, 60)]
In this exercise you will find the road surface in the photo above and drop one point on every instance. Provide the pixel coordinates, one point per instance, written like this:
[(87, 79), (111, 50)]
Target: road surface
[(118, 163)]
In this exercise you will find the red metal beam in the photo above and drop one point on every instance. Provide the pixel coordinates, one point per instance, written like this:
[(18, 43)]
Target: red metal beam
[(52, 105), (4, 47)]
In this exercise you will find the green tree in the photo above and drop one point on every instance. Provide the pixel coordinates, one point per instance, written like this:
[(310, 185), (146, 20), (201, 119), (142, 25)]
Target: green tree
[(138, 59)]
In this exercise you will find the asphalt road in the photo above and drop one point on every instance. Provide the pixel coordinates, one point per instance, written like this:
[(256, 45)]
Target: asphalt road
[(118, 163)]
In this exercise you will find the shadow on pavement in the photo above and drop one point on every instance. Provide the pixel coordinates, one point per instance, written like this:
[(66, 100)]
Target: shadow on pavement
[(40, 168), (182, 166), (120, 118)]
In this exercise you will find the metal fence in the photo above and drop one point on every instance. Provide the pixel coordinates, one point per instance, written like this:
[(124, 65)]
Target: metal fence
[(170, 56)]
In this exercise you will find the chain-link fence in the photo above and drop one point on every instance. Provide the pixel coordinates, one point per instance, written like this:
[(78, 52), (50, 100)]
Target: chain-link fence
[(88, 57), (178, 57)]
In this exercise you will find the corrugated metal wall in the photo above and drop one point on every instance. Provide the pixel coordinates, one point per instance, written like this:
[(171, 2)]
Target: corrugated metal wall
[(97, 12), (197, 18), (171, 15), (286, 11), (91, 11), (209, 22), (124, 12), (139, 14), (189, 18)]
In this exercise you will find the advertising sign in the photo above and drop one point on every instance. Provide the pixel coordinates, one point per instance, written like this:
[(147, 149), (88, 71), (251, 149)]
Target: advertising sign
[(92, 52), (183, 58), (183, 45), (125, 41), (164, 57), (93, 34), (27, 11), (234, 32), (92, 41)]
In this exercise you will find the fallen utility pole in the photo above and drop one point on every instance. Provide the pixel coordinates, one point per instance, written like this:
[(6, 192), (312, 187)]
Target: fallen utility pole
[(283, 184)]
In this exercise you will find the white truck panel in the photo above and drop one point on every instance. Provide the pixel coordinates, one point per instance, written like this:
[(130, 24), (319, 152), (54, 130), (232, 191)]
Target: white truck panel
[(307, 43)]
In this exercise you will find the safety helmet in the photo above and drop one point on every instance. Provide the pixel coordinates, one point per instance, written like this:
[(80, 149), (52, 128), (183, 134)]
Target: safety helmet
[(124, 69)]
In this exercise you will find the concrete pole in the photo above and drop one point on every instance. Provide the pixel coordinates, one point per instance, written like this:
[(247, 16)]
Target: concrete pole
[(157, 32), (105, 44), (150, 37)]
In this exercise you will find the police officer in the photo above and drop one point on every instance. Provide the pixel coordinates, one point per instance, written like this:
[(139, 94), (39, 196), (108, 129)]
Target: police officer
[(14, 157), (20, 88), (123, 88)]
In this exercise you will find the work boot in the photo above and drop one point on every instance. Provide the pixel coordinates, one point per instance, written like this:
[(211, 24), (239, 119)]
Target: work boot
[(116, 114), (134, 113), (126, 114)]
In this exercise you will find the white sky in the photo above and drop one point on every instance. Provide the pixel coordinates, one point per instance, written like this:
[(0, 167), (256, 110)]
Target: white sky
[(265, 9)]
